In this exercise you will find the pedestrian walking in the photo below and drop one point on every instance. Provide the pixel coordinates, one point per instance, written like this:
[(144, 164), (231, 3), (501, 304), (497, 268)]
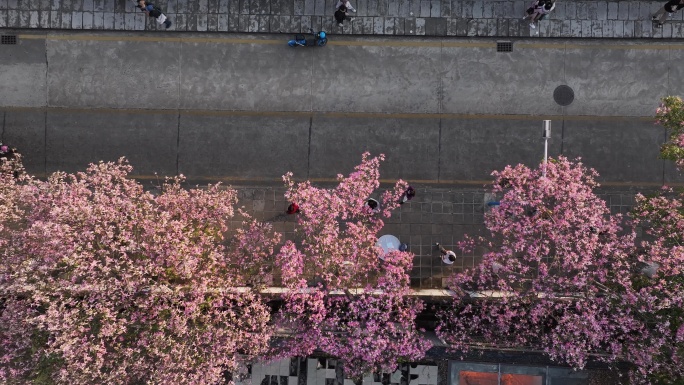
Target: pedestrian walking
[(153, 11), (347, 4), (6, 152), (341, 15), (448, 256), (407, 195), (293, 208), (538, 10), (666, 10), (374, 205)]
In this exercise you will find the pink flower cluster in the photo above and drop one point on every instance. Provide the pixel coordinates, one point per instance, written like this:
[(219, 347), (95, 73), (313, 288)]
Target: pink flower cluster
[(108, 283), (104, 282), (561, 275), (670, 114), (359, 311)]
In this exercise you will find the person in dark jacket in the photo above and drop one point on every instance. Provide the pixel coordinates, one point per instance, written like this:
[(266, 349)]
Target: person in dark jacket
[(407, 195), (341, 15), (153, 11), (666, 10)]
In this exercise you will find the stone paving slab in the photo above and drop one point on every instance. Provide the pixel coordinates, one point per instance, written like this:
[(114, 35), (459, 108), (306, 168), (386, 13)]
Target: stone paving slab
[(491, 18)]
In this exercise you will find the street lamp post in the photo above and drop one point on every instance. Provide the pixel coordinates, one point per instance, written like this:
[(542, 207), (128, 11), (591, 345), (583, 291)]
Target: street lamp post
[(546, 134)]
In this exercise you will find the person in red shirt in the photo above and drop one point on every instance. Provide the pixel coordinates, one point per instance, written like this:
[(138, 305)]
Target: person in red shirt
[(293, 208)]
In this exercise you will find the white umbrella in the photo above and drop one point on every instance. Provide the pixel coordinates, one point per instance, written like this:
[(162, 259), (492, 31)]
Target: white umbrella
[(388, 243)]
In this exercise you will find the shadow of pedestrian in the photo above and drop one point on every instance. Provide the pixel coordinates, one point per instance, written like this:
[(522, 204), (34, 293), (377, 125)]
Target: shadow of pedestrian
[(280, 217)]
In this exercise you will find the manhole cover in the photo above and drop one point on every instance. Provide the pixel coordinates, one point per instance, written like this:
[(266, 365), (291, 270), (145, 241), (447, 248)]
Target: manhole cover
[(563, 95)]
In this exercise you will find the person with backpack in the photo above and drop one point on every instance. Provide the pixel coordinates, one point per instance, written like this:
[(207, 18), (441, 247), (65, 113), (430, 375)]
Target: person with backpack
[(341, 15), (153, 11), (407, 195), (538, 10), (666, 10)]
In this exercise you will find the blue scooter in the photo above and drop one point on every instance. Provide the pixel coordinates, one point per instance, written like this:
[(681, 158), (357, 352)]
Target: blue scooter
[(320, 39)]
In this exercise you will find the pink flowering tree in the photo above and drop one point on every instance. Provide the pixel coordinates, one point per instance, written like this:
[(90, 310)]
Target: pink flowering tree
[(17, 350), (660, 287), (103, 282), (358, 309), (558, 275), (670, 114)]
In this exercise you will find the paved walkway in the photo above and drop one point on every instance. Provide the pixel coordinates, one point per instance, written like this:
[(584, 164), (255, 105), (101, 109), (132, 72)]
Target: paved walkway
[(493, 18), (436, 214)]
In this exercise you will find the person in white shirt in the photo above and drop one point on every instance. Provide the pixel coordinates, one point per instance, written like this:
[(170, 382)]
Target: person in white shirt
[(448, 256), (155, 12), (373, 205), (538, 10)]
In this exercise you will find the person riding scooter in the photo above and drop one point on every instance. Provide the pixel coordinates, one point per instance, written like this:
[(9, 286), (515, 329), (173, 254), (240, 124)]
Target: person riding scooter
[(6, 152), (320, 39)]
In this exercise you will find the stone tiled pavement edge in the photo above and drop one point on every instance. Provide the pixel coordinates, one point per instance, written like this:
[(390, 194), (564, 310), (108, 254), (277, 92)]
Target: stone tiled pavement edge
[(492, 18), (442, 215)]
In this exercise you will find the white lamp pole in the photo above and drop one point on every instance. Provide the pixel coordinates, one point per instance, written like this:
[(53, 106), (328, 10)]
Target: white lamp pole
[(546, 134)]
